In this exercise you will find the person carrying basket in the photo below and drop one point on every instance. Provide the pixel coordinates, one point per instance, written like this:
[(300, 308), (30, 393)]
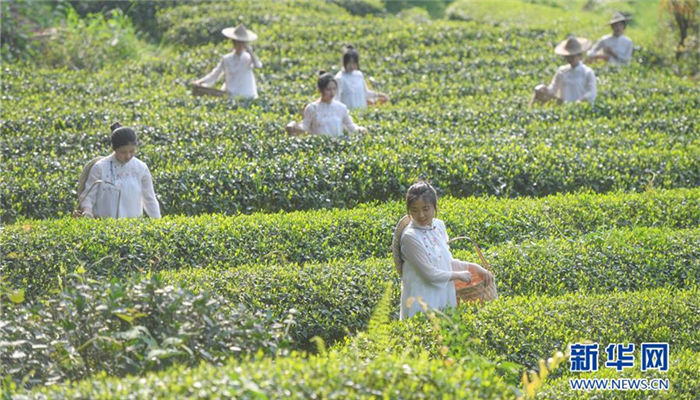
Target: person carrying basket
[(236, 67), (423, 259)]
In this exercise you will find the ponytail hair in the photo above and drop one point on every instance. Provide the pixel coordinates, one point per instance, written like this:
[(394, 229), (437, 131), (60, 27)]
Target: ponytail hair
[(122, 136), (350, 55)]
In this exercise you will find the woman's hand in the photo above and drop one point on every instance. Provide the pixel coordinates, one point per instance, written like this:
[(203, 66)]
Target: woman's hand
[(486, 274), (464, 276)]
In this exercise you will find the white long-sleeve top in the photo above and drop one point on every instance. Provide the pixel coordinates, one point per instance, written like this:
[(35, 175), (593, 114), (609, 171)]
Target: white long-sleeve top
[(238, 71), (327, 118), (427, 268), (352, 89), (132, 179), (620, 45), (573, 84)]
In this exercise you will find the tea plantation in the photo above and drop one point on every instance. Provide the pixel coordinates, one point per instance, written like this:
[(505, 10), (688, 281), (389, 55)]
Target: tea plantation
[(270, 274)]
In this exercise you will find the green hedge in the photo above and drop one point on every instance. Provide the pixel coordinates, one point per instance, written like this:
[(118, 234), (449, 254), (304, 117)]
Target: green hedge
[(212, 156), (35, 252), (521, 329), (615, 260), (337, 298), (127, 327), (524, 329), (324, 377)]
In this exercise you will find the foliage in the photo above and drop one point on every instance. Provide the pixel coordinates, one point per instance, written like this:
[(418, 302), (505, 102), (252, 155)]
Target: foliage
[(685, 15), (142, 13), (335, 376), (127, 327), (361, 7), (213, 156), (520, 329), (38, 252), (21, 21), (436, 8), (92, 42)]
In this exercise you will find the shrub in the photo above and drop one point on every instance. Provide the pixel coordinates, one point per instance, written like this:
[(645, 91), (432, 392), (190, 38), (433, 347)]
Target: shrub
[(33, 254), (127, 327)]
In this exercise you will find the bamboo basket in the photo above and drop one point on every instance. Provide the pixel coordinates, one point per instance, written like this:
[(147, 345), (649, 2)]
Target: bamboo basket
[(199, 90), (477, 289)]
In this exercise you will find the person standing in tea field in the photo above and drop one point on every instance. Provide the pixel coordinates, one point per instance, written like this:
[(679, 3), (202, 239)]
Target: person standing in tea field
[(425, 263), (352, 88), (119, 185), (325, 116), (574, 82), (237, 66), (614, 48)]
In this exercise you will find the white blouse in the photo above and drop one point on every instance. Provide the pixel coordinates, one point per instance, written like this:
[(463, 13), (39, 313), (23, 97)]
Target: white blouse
[(573, 84), (327, 118), (128, 187), (427, 269), (352, 89), (620, 45), (238, 71)]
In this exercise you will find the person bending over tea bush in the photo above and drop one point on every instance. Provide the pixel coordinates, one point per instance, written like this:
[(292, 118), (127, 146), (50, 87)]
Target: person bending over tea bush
[(119, 185), (237, 66), (325, 116), (615, 48), (574, 82), (352, 88)]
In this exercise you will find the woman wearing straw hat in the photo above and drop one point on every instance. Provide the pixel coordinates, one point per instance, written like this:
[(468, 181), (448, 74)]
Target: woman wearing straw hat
[(425, 263), (615, 48), (237, 66), (574, 82)]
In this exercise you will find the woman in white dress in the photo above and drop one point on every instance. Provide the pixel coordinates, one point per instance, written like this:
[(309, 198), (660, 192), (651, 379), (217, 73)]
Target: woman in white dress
[(325, 116), (428, 269), (574, 82), (352, 88), (119, 185), (237, 66)]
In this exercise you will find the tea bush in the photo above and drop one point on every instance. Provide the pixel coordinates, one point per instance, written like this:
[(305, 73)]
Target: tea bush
[(337, 298), (524, 328), (34, 253), (212, 156), (332, 376), (127, 327)]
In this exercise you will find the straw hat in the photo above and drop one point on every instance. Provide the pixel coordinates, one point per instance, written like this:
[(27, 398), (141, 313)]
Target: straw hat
[(240, 33), (619, 17), (396, 242), (572, 46)]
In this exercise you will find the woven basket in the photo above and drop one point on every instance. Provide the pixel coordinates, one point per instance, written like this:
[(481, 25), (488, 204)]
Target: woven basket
[(199, 90), (476, 290), (396, 242)]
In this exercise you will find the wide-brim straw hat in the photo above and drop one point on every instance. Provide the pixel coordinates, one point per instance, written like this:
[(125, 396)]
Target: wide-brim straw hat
[(619, 17), (240, 33), (572, 45), (396, 242)]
